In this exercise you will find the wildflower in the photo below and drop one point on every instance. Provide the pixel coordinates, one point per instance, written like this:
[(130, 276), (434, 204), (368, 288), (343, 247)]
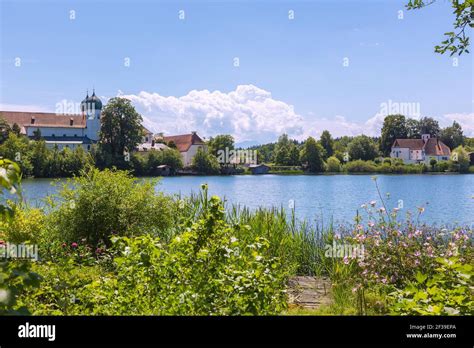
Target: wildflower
[(418, 233), (371, 224), (356, 288), (382, 209), (421, 210), (74, 245), (64, 245), (346, 260), (372, 203)]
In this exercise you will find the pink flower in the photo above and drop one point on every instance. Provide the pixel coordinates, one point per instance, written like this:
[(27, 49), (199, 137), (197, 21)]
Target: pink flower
[(64, 245), (74, 245)]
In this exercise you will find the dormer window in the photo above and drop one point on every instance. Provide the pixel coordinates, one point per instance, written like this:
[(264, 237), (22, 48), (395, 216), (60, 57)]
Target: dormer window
[(71, 122), (32, 120)]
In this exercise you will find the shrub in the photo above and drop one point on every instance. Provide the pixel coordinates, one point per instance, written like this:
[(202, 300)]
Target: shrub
[(101, 203), (15, 279), (447, 292), (442, 166), (360, 166), (206, 270), (333, 165), (205, 163), (461, 158), (26, 225)]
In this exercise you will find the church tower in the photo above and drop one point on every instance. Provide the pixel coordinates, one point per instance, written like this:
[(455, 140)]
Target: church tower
[(91, 108)]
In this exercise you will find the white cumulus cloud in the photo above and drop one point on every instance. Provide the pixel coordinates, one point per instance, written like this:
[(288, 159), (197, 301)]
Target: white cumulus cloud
[(249, 113)]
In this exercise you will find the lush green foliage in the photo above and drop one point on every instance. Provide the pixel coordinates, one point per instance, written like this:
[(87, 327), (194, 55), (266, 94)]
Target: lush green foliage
[(312, 155), (362, 148), (449, 291), (121, 131), (205, 163), (100, 204), (333, 165), (34, 158), (147, 163), (455, 42)]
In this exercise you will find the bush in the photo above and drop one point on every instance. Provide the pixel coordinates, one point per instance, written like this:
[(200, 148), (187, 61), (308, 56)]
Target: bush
[(442, 166), (102, 203), (360, 166), (16, 279), (205, 163), (447, 292), (26, 225), (333, 165), (206, 270)]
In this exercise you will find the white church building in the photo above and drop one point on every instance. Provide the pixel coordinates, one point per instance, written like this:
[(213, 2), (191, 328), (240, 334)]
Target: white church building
[(61, 130)]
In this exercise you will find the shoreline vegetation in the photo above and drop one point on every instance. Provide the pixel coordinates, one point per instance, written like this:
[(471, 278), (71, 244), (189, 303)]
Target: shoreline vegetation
[(286, 156), (113, 246)]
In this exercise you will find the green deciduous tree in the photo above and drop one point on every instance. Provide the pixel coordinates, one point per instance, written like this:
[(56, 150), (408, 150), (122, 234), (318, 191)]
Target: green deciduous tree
[(220, 143), (362, 147), (121, 130), (394, 127), (327, 143), (452, 136), (456, 41), (205, 163), (312, 155)]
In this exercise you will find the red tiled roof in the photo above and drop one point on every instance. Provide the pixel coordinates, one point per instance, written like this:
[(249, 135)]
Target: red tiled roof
[(435, 147), (183, 142), (432, 147), (412, 144), (43, 119)]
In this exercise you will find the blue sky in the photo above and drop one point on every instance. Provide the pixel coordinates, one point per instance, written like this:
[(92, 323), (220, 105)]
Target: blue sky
[(291, 72)]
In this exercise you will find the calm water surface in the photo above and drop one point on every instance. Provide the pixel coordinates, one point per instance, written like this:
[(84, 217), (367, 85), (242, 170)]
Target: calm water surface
[(448, 199)]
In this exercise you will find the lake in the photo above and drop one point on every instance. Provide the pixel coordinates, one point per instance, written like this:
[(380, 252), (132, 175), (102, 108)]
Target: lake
[(447, 199)]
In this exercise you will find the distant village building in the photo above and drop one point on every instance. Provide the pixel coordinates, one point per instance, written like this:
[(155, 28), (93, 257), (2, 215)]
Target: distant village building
[(259, 168), (187, 145), (149, 144), (61, 130), (420, 150), (164, 170)]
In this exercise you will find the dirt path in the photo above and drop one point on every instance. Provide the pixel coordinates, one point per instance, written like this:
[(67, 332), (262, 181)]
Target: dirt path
[(309, 292)]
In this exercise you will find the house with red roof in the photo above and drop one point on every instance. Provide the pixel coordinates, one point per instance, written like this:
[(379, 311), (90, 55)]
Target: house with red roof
[(187, 144), (420, 150)]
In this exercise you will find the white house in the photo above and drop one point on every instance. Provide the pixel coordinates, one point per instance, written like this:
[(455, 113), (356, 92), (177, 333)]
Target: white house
[(148, 142), (187, 144), (420, 150)]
